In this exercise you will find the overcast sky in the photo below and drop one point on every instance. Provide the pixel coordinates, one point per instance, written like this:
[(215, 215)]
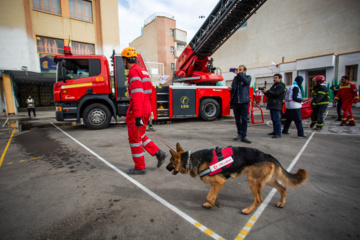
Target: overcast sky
[(132, 14)]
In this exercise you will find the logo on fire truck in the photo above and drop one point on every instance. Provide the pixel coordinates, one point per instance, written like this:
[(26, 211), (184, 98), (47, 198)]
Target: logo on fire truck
[(184, 100)]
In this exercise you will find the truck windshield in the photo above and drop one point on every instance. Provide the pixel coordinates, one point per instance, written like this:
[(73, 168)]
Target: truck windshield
[(69, 69)]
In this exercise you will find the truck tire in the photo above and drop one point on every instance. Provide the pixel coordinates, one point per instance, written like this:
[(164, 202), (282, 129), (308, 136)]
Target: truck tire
[(97, 116), (209, 109)]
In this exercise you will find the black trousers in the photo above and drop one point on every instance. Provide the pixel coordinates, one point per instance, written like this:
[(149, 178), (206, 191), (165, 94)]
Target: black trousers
[(33, 110), (241, 114), (293, 115)]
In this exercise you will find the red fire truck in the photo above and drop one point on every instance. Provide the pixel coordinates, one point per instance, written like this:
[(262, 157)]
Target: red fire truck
[(83, 88)]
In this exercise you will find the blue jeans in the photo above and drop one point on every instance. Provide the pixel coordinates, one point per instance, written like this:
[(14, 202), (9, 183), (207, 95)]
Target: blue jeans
[(241, 113), (275, 118)]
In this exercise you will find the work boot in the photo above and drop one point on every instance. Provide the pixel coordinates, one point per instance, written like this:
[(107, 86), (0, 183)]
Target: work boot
[(271, 134), (237, 138), (276, 136), (160, 155), (342, 124), (245, 140), (350, 124), (312, 125), (134, 171), (302, 136), (318, 128)]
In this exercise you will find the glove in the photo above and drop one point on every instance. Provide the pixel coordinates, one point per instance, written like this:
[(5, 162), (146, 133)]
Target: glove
[(139, 122)]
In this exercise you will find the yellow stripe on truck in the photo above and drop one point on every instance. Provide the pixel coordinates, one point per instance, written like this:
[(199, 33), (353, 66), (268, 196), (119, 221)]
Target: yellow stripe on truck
[(77, 85)]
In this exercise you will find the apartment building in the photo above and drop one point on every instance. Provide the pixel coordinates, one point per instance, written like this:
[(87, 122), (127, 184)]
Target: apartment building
[(33, 31), (294, 38), (161, 43)]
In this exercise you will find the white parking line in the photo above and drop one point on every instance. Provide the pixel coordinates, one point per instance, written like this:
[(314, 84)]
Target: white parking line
[(195, 223), (246, 229)]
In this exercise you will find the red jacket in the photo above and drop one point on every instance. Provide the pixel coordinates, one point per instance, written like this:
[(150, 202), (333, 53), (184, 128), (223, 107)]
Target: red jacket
[(140, 91), (347, 93)]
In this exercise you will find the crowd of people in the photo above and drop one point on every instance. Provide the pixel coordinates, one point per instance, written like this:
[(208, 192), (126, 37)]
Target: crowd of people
[(278, 97)]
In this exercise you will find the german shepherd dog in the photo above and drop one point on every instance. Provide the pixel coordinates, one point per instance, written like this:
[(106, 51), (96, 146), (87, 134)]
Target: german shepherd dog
[(261, 169)]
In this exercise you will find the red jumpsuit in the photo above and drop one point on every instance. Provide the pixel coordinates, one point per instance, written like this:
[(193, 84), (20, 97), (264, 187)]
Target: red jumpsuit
[(140, 94), (348, 95)]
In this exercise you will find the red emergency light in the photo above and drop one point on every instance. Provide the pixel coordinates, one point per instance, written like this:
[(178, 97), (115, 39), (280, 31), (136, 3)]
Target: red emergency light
[(67, 50)]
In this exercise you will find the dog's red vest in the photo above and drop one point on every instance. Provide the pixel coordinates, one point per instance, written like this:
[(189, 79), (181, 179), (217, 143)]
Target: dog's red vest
[(222, 158)]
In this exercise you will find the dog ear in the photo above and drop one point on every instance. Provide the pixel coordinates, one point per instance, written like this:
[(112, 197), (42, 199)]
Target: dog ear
[(172, 153), (179, 148)]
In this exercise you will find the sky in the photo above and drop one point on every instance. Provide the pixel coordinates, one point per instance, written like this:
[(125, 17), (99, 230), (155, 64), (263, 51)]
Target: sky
[(132, 14)]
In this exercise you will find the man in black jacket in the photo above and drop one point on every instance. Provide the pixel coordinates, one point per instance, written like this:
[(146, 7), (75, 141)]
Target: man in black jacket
[(276, 95), (240, 101)]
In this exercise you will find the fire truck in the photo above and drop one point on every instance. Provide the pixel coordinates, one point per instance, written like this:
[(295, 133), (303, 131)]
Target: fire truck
[(83, 88)]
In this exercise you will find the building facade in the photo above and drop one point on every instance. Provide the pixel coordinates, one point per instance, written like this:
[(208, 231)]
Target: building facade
[(294, 38), (161, 43), (33, 31)]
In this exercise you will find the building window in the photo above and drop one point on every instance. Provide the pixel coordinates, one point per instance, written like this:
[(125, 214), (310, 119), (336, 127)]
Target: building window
[(352, 72), (81, 10), (172, 66), (288, 78), (49, 45), (82, 48), (51, 6), (172, 32), (172, 50)]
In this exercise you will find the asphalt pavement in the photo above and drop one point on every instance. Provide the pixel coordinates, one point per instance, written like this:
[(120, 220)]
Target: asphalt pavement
[(63, 181)]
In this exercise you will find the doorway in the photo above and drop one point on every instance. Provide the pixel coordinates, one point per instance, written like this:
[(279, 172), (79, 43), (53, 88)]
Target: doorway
[(311, 75)]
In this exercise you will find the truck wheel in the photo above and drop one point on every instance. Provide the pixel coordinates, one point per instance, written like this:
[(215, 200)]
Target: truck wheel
[(97, 116), (209, 109)]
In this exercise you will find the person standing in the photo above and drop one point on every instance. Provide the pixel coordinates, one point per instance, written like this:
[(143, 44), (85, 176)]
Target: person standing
[(276, 95), (240, 101), (319, 102), (336, 89), (30, 104), (348, 94), (293, 100), (138, 113)]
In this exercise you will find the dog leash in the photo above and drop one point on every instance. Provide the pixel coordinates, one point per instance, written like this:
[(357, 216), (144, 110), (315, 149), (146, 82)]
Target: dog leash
[(160, 139)]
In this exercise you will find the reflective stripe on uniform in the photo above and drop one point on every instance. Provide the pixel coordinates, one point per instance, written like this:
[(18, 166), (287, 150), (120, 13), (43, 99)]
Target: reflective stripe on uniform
[(143, 135), (135, 144), (322, 103), (135, 90), (147, 91), (135, 79), (146, 80), (138, 155), (321, 92), (348, 86), (146, 142)]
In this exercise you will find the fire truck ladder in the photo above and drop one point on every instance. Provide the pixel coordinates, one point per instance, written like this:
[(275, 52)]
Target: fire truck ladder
[(227, 17)]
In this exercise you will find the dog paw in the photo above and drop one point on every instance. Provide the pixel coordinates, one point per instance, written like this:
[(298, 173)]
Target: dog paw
[(280, 204), (217, 204), (245, 211), (207, 205)]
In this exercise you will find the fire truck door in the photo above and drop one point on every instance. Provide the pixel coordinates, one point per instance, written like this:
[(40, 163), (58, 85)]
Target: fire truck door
[(184, 103)]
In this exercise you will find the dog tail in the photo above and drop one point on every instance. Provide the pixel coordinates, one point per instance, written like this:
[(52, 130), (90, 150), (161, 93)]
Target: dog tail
[(291, 179)]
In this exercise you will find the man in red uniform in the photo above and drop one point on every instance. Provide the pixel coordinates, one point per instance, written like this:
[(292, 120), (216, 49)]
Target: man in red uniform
[(138, 113), (348, 95)]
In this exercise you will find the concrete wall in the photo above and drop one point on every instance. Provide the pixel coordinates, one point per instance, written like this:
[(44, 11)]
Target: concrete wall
[(147, 43), (16, 47), (293, 29)]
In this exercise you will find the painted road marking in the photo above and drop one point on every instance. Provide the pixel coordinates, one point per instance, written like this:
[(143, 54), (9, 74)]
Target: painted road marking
[(6, 148), (192, 221), (246, 229)]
